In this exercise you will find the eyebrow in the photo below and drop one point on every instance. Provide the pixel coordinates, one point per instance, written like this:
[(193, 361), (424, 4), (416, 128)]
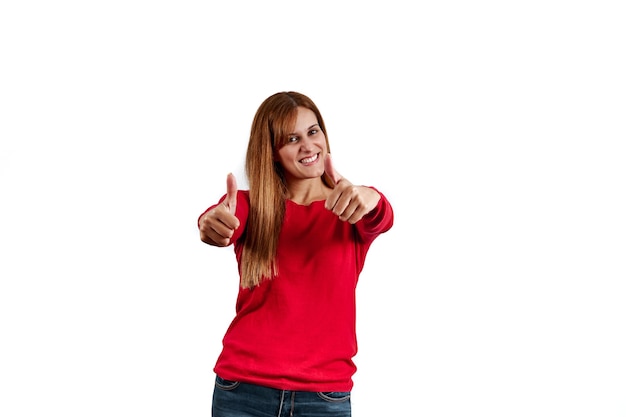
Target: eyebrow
[(308, 128)]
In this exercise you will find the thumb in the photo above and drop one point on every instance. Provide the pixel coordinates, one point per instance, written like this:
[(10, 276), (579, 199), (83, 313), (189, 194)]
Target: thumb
[(330, 170), (231, 193)]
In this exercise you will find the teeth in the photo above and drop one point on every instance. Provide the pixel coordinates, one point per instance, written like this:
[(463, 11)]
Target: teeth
[(310, 159)]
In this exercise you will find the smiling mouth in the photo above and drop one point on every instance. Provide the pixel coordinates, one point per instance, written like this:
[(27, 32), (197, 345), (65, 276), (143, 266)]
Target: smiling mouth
[(310, 159)]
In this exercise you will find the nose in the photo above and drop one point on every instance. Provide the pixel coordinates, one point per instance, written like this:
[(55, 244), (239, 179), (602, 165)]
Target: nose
[(306, 144)]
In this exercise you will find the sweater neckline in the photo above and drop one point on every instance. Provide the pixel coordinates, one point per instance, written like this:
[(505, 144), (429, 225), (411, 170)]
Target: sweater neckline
[(315, 202)]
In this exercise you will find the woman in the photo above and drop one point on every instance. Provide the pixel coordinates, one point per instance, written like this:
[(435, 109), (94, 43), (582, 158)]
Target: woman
[(300, 233)]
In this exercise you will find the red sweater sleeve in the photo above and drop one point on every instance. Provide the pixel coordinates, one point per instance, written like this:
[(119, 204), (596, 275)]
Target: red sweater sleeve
[(377, 221)]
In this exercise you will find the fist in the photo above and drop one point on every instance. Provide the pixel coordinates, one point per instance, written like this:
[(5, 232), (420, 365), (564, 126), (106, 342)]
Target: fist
[(218, 225), (349, 202)]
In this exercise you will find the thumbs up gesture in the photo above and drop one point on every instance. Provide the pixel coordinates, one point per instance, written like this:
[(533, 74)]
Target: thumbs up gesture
[(218, 225), (349, 202)]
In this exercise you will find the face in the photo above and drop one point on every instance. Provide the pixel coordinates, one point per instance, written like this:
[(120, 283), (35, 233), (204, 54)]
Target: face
[(302, 157)]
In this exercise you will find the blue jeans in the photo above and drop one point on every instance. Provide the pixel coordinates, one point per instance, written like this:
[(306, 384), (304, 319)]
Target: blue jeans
[(238, 399)]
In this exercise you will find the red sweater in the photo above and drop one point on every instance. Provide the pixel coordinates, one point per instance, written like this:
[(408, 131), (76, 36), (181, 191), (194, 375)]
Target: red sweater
[(297, 331)]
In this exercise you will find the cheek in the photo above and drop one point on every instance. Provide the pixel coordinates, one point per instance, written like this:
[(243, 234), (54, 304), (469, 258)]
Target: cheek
[(318, 142), (282, 155), (322, 142)]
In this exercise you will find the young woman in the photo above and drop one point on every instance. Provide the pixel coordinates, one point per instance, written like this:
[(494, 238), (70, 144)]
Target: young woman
[(300, 234)]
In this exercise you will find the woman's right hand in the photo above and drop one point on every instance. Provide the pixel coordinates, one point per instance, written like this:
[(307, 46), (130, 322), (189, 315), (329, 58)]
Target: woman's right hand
[(218, 224)]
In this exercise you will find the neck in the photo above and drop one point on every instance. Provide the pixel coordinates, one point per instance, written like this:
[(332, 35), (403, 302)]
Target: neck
[(304, 192)]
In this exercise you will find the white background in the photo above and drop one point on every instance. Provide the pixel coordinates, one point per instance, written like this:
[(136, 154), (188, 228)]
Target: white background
[(495, 128)]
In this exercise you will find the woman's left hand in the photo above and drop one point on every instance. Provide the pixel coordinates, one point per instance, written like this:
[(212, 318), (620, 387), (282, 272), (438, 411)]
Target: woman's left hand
[(348, 201)]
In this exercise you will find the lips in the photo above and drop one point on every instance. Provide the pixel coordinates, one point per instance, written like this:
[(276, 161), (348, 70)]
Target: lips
[(310, 159)]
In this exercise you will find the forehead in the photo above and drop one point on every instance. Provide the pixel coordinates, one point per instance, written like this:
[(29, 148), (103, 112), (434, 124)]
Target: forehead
[(305, 118)]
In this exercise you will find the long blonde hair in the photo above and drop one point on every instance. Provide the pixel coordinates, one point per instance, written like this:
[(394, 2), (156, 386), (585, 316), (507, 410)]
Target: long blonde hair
[(273, 121)]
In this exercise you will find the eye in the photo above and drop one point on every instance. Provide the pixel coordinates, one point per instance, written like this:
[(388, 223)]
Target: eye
[(313, 132), (292, 139)]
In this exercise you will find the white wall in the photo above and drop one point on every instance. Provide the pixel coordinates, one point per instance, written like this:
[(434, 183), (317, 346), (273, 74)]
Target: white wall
[(496, 131)]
